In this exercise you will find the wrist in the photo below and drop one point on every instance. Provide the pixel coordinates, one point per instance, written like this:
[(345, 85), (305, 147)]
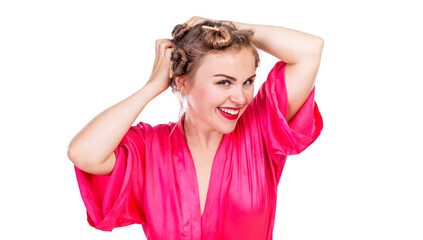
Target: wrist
[(241, 26), (152, 89)]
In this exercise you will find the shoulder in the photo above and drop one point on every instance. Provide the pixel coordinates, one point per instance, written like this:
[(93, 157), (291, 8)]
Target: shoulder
[(148, 130)]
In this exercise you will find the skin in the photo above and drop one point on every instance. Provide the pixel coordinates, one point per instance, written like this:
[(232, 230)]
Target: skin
[(300, 51), (92, 148), (223, 80)]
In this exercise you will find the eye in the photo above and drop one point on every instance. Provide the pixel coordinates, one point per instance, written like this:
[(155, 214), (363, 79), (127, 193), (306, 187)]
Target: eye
[(224, 83), (249, 82)]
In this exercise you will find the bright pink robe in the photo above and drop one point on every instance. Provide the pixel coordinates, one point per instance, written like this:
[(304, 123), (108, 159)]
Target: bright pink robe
[(154, 181)]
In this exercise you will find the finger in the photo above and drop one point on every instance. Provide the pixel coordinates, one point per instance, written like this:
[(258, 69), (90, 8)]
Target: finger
[(190, 21), (195, 20), (165, 45), (157, 52), (161, 45), (161, 42), (168, 53)]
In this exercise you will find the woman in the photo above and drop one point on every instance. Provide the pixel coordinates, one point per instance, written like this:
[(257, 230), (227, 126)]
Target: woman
[(214, 174)]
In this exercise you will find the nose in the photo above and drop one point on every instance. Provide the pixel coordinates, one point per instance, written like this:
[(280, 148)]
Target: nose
[(238, 96)]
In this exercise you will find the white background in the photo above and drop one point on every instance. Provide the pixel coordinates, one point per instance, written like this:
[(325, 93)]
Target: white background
[(63, 62)]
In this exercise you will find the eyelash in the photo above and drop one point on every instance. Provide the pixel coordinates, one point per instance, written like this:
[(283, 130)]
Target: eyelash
[(223, 82), (251, 81)]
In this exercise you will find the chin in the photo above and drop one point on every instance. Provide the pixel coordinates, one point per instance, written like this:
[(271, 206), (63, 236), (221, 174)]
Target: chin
[(228, 129)]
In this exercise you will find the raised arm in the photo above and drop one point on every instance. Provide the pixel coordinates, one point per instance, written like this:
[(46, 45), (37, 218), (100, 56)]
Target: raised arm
[(300, 51), (92, 149)]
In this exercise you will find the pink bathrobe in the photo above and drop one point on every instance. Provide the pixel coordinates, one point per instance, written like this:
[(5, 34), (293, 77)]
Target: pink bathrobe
[(154, 180)]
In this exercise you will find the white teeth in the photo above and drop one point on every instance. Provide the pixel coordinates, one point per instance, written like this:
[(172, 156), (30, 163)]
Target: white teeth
[(229, 111)]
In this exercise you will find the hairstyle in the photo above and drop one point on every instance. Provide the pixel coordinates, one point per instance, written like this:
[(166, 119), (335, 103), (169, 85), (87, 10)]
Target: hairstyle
[(193, 43)]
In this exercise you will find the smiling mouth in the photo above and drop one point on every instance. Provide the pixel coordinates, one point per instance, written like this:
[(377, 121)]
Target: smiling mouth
[(232, 112), (229, 113)]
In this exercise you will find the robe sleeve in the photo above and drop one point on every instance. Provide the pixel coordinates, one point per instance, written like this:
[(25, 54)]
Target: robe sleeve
[(115, 200), (271, 107)]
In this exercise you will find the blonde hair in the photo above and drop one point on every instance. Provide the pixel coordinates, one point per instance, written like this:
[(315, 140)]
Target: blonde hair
[(193, 43)]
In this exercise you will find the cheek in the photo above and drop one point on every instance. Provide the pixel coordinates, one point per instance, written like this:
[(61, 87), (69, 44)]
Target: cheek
[(210, 96), (249, 95), (206, 98)]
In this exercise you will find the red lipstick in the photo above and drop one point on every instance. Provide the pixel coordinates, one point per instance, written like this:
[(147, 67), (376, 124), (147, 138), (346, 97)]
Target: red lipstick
[(230, 116)]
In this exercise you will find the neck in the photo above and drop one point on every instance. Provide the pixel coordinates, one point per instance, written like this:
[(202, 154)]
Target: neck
[(199, 135)]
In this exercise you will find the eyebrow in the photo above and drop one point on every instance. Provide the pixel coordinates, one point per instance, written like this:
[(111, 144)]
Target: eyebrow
[(231, 78)]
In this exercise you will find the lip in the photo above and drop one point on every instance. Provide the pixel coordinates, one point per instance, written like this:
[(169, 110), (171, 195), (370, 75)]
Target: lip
[(231, 108), (228, 116)]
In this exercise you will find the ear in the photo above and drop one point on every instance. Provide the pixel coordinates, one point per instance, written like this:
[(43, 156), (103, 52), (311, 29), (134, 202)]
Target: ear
[(182, 84)]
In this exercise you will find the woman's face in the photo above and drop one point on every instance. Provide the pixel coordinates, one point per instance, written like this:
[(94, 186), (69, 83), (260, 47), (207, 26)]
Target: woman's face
[(221, 89)]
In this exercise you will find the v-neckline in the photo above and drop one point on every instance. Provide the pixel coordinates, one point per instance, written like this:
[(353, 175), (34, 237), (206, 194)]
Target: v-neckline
[(211, 184)]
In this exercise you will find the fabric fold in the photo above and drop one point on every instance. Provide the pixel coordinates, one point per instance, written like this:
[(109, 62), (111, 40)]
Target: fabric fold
[(115, 200), (271, 102), (153, 182)]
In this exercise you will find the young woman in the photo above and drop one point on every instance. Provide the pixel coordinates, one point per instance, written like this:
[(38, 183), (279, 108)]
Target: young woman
[(214, 174)]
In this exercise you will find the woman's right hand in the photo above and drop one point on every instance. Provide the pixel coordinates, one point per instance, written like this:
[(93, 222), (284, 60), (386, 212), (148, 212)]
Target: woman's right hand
[(159, 78)]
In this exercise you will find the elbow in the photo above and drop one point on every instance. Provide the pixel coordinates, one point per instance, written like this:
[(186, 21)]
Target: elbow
[(322, 43), (319, 45), (315, 49), (75, 156), (71, 154), (83, 161)]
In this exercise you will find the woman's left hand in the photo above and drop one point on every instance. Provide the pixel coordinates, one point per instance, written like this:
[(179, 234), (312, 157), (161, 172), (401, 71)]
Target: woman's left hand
[(196, 20)]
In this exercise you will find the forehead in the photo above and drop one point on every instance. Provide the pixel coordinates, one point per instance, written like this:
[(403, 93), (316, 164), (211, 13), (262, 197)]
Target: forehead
[(236, 63)]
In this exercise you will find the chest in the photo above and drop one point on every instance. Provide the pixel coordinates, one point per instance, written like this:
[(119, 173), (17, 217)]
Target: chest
[(229, 183), (249, 179), (203, 162)]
